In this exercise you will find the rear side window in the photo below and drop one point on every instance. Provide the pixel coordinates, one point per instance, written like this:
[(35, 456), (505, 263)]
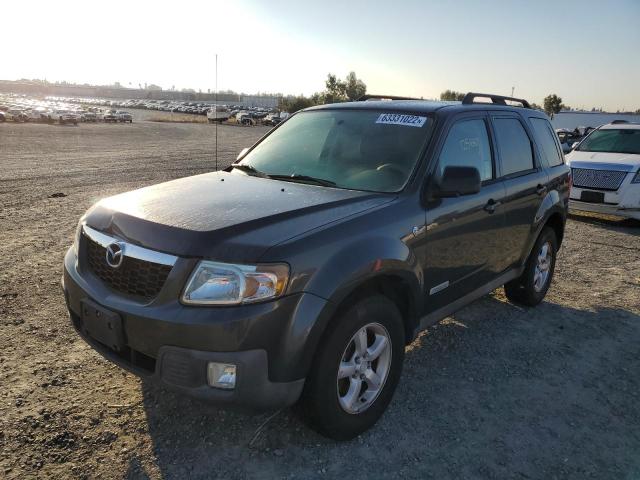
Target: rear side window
[(514, 145), (546, 141), (467, 145)]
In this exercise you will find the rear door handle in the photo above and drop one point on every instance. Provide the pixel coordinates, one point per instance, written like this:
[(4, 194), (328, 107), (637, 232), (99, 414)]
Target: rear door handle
[(491, 206), (540, 189)]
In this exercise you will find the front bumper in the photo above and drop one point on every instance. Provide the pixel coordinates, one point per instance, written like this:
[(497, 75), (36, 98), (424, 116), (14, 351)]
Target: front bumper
[(624, 202), (607, 209), (171, 344)]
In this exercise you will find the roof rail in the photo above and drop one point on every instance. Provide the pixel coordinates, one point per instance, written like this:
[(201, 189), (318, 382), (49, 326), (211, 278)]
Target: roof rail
[(366, 97), (497, 99)]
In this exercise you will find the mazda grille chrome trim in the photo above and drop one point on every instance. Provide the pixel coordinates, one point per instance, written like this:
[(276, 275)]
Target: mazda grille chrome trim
[(114, 254), (128, 249)]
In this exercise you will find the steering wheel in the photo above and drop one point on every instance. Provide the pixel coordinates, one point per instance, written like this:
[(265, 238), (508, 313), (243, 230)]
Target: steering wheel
[(393, 168)]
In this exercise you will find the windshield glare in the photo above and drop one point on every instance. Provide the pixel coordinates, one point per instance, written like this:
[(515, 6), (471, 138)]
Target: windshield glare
[(355, 149), (613, 141)]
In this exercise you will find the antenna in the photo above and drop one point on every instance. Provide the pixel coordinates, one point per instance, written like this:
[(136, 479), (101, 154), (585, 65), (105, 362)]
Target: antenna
[(215, 112)]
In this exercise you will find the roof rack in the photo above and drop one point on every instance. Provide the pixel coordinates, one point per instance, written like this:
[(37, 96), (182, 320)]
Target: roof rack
[(364, 98), (497, 99)]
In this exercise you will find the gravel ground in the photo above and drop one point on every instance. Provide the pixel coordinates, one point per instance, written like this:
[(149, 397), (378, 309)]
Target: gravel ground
[(497, 391)]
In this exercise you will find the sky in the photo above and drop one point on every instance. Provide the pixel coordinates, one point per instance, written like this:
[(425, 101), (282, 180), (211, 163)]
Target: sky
[(587, 52)]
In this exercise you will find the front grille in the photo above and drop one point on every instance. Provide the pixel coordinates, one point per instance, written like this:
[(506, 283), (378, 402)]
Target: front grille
[(138, 278), (598, 179)]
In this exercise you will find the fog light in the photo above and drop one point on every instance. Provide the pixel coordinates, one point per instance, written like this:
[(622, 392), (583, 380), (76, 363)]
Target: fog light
[(221, 375)]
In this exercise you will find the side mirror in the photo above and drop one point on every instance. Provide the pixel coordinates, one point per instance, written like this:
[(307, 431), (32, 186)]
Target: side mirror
[(242, 153), (575, 145), (457, 181)]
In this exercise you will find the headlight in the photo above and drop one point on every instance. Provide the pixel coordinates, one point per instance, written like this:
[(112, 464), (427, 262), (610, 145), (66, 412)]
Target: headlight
[(636, 179), (76, 238), (213, 283)]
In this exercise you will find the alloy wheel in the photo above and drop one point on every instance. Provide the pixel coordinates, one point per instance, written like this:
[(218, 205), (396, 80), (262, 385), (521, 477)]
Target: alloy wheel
[(364, 368)]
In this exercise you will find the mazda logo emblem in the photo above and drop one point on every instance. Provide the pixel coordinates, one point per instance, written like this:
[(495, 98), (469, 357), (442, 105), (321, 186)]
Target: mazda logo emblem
[(115, 254)]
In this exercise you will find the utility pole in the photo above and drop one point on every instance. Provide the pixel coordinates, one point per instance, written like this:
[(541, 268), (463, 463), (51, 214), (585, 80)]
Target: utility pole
[(215, 112)]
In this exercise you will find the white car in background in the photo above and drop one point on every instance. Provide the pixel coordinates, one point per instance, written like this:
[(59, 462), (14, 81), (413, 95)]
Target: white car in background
[(123, 116), (63, 116), (605, 170)]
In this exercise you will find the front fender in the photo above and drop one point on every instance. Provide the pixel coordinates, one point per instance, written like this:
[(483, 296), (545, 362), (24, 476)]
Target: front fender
[(336, 277), (332, 261), (361, 261)]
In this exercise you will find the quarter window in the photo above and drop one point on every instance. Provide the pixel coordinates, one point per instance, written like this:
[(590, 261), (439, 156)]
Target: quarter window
[(547, 143), (514, 146), (467, 145)]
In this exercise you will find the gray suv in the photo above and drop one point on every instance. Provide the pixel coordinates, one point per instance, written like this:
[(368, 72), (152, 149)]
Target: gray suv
[(300, 273)]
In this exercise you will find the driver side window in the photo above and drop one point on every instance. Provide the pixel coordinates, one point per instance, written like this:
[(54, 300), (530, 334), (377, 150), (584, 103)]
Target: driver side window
[(467, 145)]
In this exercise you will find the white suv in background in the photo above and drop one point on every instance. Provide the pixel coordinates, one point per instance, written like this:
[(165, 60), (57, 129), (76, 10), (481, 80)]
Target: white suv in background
[(605, 169)]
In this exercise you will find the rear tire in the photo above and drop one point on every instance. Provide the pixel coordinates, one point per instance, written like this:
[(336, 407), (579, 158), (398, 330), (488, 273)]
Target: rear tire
[(532, 286), (356, 369)]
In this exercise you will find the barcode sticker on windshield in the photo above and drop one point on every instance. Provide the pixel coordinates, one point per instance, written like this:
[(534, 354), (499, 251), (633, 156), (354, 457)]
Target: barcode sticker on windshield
[(400, 119)]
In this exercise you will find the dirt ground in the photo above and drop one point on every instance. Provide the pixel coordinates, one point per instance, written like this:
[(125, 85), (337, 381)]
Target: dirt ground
[(497, 391)]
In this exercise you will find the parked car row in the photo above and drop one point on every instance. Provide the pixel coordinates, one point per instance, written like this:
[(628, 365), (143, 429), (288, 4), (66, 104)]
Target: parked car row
[(20, 109), (174, 106), (220, 113), (244, 117)]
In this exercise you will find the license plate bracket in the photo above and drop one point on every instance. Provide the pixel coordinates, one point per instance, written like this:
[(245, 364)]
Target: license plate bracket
[(102, 325), (592, 197)]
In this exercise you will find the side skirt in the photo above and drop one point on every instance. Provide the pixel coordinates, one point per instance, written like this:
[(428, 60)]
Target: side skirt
[(453, 307)]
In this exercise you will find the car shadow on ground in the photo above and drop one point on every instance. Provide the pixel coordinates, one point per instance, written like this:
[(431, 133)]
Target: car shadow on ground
[(608, 222), (495, 391)]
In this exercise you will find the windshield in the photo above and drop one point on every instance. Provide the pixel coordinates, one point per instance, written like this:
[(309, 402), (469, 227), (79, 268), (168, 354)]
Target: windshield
[(612, 140), (354, 149)]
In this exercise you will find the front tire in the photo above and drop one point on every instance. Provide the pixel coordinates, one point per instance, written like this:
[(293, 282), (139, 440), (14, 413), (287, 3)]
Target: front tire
[(532, 286), (356, 369)]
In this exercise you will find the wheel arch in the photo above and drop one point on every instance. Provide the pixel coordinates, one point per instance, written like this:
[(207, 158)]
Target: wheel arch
[(397, 286), (556, 222)]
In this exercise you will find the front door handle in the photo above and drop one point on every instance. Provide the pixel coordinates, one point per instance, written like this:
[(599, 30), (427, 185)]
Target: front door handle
[(540, 189), (491, 206)]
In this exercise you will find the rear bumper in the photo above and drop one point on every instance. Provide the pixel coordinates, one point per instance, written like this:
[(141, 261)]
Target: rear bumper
[(171, 344)]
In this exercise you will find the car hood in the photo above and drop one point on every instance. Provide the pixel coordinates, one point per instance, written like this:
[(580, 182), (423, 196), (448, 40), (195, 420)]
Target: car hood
[(224, 216), (619, 159)]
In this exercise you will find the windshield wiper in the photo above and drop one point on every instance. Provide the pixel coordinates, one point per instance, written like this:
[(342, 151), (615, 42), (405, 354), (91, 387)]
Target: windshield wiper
[(249, 169), (304, 179)]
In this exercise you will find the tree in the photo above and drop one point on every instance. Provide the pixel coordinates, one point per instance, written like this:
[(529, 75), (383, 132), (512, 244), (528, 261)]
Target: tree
[(292, 104), (348, 90), (335, 90), (451, 95), (354, 87), (552, 104)]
